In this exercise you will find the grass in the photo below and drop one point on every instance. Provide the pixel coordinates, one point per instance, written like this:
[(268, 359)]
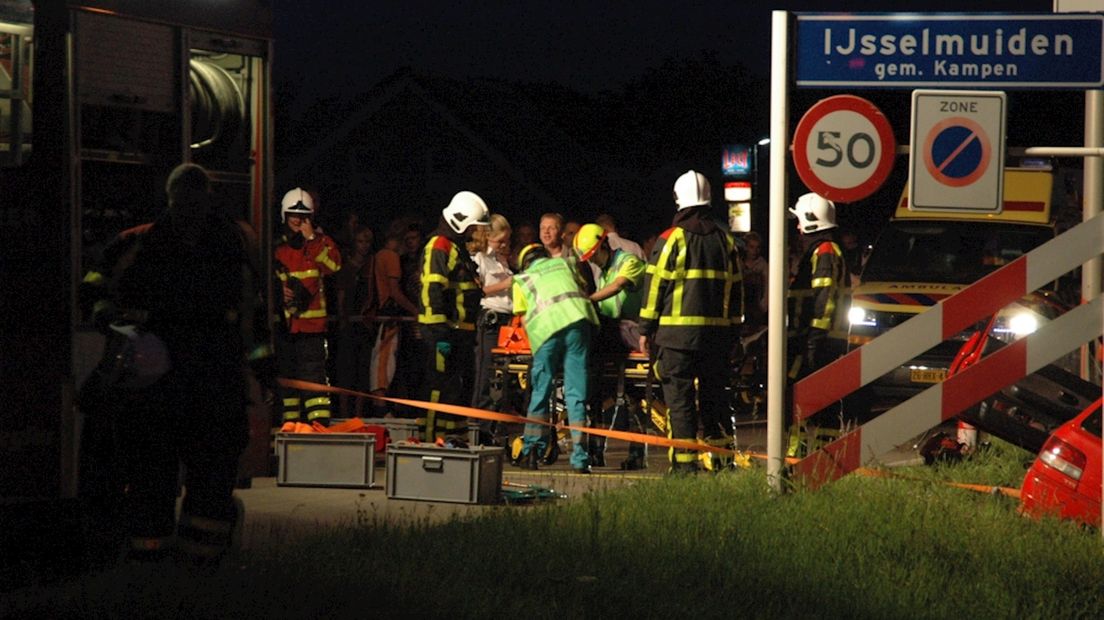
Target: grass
[(707, 547), (996, 463)]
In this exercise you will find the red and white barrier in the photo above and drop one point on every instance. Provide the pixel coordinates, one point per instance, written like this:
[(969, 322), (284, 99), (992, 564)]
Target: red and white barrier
[(960, 391), (955, 313)]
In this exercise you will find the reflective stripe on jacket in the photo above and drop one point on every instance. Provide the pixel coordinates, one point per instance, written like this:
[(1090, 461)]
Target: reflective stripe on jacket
[(96, 293), (450, 292), (693, 290), (551, 297), (309, 264)]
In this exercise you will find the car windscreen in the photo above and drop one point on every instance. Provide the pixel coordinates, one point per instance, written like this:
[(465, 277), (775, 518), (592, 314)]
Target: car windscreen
[(952, 252)]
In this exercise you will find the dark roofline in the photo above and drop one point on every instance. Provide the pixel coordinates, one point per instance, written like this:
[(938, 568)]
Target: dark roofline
[(391, 87)]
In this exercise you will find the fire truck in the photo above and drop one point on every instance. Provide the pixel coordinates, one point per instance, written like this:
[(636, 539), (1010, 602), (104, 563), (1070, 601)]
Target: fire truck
[(99, 100)]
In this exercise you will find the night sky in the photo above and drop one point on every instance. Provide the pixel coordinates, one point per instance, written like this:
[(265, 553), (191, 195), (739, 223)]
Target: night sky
[(591, 47), (588, 45)]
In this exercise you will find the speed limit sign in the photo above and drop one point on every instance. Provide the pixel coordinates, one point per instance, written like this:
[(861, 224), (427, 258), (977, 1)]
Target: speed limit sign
[(843, 148)]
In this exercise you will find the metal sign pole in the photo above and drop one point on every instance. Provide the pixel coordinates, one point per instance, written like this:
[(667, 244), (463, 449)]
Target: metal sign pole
[(778, 255), (1091, 203), (1093, 188)]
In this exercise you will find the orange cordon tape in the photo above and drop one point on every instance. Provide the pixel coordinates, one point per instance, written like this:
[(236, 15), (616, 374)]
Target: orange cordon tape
[(484, 414), (980, 488)]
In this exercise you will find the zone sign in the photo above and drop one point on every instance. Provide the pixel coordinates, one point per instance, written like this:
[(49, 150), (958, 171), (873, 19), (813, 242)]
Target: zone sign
[(956, 159), (843, 148)]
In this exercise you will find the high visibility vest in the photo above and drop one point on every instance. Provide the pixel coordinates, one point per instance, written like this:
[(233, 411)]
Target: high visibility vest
[(626, 303), (450, 293), (550, 297), (693, 290), (813, 292)]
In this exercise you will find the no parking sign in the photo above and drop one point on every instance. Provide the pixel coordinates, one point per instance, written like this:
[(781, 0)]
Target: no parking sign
[(956, 159)]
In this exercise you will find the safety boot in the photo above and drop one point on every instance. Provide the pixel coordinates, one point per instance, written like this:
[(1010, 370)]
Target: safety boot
[(635, 461), (527, 460), (597, 451)]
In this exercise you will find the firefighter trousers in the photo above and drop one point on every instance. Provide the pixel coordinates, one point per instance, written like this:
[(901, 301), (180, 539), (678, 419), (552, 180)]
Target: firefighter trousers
[(677, 370), (450, 365), (192, 419), (303, 356)]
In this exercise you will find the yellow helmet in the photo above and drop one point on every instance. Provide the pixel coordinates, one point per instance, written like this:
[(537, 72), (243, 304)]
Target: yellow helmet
[(530, 253), (588, 240)]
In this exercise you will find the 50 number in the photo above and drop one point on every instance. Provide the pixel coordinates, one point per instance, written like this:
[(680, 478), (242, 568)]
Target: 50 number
[(829, 141)]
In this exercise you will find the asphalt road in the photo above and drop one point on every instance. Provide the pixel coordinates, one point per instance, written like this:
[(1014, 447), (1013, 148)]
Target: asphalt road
[(271, 508)]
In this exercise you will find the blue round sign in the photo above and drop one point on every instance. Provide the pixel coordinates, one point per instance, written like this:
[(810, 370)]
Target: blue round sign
[(957, 152)]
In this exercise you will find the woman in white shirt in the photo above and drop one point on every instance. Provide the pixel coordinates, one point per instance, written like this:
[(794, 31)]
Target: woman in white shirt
[(496, 308)]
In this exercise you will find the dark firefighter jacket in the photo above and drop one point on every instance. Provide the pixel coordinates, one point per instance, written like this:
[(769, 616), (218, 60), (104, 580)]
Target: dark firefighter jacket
[(202, 299), (450, 293), (815, 288), (693, 289)]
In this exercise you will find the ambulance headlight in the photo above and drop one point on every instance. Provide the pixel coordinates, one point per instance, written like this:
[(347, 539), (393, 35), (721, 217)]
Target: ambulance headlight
[(1023, 324), (858, 315), (1016, 325)]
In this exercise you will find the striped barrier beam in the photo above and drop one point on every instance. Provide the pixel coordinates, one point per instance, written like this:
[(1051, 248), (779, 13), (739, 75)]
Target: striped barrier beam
[(960, 391), (945, 319)]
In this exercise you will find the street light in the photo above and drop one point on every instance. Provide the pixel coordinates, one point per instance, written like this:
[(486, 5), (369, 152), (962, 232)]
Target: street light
[(764, 141)]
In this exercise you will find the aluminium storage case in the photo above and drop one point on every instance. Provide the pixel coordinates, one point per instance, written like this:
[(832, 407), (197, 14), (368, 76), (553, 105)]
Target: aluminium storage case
[(430, 473), (326, 459), (402, 429)]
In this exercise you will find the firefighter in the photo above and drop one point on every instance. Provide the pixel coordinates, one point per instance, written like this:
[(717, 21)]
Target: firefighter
[(447, 310), (558, 319), (693, 298), (620, 275), (182, 297), (304, 256), (811, 304)]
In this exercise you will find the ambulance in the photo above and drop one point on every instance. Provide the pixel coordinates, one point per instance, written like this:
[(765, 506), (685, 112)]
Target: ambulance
[(922, 257)]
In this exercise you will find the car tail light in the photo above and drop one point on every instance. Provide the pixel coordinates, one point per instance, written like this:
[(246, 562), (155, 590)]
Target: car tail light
[(1063, 457)]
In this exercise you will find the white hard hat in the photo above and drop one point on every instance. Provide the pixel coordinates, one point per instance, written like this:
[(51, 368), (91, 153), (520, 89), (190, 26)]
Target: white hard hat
[(814, 213), (188, 185), (691, 190), (466, 209), (296, 202), (142, 359)]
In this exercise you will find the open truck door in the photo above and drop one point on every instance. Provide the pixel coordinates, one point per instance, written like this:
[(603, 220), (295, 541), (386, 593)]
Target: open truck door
[(99, 100)]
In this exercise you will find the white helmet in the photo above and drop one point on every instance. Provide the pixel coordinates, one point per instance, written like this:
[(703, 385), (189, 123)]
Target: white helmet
[(296, 202), (141, 360), (465, 210), (691, 190), (814, 213)]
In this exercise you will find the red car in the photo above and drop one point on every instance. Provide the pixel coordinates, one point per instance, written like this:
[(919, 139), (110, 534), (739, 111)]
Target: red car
[(1065, 479)]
